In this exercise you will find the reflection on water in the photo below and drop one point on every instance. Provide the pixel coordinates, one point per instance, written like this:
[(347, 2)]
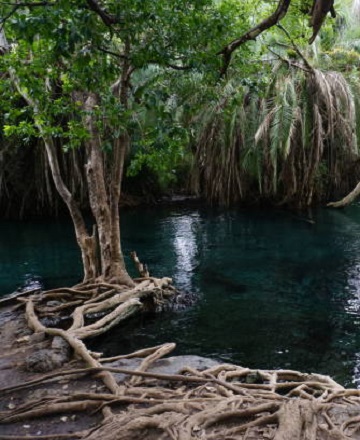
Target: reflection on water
[(353, 288), (356, 373), (185, 245), (274, 290), (352, 306)]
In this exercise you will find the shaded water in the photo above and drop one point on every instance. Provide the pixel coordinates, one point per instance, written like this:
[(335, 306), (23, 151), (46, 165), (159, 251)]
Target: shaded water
[(275, 291)]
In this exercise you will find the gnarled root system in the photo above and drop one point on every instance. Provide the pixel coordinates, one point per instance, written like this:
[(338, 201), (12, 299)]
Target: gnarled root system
[(224, 402)]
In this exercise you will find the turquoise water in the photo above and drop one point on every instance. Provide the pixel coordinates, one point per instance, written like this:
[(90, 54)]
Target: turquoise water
[(274, 289)]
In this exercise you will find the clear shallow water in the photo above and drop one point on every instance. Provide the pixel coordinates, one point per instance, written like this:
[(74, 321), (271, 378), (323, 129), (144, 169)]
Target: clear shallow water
[(275, 291)]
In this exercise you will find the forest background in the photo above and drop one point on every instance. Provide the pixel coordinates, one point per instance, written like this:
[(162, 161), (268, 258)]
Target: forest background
[(279, 127)]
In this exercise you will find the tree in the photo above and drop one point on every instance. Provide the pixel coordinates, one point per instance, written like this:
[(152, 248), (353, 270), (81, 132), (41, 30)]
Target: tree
[(73, 64)]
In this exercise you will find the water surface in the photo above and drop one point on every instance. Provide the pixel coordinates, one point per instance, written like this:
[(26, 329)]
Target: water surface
[(274, 289)]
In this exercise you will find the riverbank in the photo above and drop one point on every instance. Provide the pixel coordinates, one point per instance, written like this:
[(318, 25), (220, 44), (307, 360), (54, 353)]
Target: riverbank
[(19, 344), (162, 398)]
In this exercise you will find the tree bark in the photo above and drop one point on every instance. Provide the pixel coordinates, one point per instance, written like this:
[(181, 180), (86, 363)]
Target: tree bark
[(297, 421), (86, 242), (253, 33), (319, 11), (105, 204), (120, 147), (4, 45)]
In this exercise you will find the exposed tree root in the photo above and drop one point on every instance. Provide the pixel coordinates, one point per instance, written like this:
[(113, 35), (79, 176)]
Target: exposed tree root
[(142, 268), (347, 200), (73, 436), (223, 402)]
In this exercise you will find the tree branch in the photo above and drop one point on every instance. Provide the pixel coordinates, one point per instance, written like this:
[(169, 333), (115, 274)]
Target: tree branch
[(295, 47), (288, 62), (253, 33), (7, 16), (107, 18), (27, 4), (109, 52), (17, 6), (319, 11)]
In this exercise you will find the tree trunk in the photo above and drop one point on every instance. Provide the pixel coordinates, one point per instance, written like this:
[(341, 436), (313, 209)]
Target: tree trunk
[(103, 198), (86, 242), (105, 204), (120, 147)]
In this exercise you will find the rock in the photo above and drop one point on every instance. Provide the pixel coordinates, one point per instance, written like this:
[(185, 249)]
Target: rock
[(53, 303), (170, 365), (174, 364), (49, 359), (60, 346), (253, 378), (6, 316), (38, 337), (43, 361)]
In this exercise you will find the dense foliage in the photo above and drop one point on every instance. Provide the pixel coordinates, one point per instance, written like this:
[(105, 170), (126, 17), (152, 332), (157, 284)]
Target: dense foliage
[(258, 133)]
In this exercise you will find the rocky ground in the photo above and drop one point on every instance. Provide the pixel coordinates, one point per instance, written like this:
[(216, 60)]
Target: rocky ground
[(22, 350)]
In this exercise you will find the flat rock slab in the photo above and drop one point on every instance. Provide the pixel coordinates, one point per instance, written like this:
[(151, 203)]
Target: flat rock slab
[(170, 365)]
